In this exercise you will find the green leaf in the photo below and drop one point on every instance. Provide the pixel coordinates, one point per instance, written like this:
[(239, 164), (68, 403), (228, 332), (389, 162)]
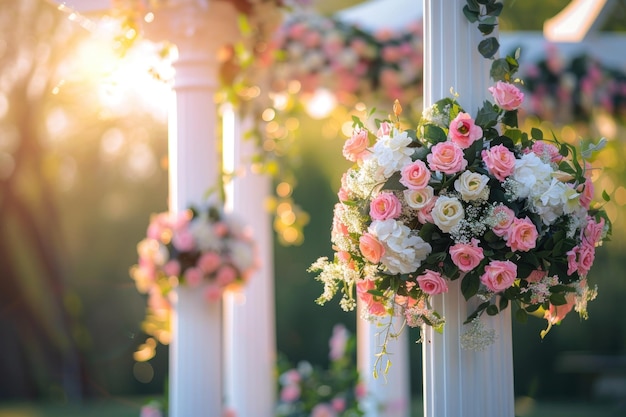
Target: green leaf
[(500, 70), (473, 5), (470, 285), (494, 9), (605, 196), (521, 315), (558, 299), (492, 310), (504, 303), (510, 118), (488, 47), (486, 28), (434, 134), (471, 16), (487, 116), (536, 133), (393, 183)]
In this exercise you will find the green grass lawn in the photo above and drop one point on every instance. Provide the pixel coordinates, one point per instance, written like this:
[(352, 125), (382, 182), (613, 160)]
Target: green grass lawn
[(124, 407)]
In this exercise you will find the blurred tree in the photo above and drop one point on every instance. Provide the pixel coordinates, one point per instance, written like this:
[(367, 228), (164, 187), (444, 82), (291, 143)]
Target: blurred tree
[(76, 181)]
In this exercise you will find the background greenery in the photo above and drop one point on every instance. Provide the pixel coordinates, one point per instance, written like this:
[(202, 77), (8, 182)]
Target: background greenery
[(76, 191)]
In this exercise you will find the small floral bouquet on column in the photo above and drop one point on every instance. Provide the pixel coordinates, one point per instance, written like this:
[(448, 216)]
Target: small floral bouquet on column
[(472, 198), (205, 249), (308, 391)]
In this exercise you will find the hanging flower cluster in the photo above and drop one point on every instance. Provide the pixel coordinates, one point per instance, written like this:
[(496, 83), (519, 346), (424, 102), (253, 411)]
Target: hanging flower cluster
[(308, 391), (569, 91), (470, 198), (321, 51), (203, 249)]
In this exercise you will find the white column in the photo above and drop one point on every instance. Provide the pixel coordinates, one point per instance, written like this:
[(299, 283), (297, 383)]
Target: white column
[(458, 382), (198, 29), (250, 334), (389, 395)]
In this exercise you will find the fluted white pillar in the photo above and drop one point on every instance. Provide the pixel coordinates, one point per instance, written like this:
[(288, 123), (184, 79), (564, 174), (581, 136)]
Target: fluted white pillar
[(388, 395), (458, 382), (198, 29), (250, 330)]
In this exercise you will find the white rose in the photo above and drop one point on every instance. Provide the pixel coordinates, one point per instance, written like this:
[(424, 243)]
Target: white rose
[(472, 186), (447, 213), (418, 199), (204, 235), (242, 254)]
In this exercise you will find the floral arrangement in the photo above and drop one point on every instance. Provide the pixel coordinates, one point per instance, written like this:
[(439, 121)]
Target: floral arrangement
[(470, 198), (569, 91), (321, 51), (308, 391), (204, 249)]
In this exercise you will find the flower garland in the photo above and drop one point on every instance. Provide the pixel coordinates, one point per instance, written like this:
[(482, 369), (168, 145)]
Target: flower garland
[(204, 249), (470, 198), (570, 91), (320, 51), (338, 391)]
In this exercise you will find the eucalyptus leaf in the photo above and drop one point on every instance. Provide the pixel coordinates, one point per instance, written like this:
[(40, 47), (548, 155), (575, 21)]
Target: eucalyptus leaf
[(472, 16), (488, 47)]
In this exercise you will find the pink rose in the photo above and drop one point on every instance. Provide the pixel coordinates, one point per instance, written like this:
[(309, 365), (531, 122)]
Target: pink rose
[(344, 191), (355, 148), (432, 283), (193, 277), (547, 150), (183, 241), (592, 233), (150, 411), (338, 229), (415, 176), (360, 390), (290, 393), (572, 260), (384, 129), (467, 256), (580, 259), (536, 276), (172, 268), (499, 161), (499, 275), (586, 256), (522, 235), (337, 342), (221, 229), (446, 157), (212, 292), (504, 217), (208, 262), (587, 194), (373, 306), (506, 95), (226, 275), (323, 410), (424, 215), (385, 206), (371, 248), (338, 404), (463, 131)]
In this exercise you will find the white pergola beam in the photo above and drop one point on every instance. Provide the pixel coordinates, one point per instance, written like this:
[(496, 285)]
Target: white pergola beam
[(578, 20)]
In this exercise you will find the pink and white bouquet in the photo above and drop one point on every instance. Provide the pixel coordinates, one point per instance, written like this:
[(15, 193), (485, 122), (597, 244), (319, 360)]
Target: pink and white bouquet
[(204, 249), (470, 198)]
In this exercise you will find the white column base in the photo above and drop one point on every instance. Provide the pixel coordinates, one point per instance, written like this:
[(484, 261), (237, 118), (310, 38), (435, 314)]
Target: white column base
[(196, 356)]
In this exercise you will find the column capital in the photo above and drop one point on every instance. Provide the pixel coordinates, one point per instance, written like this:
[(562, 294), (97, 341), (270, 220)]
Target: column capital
[(193, 25)]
